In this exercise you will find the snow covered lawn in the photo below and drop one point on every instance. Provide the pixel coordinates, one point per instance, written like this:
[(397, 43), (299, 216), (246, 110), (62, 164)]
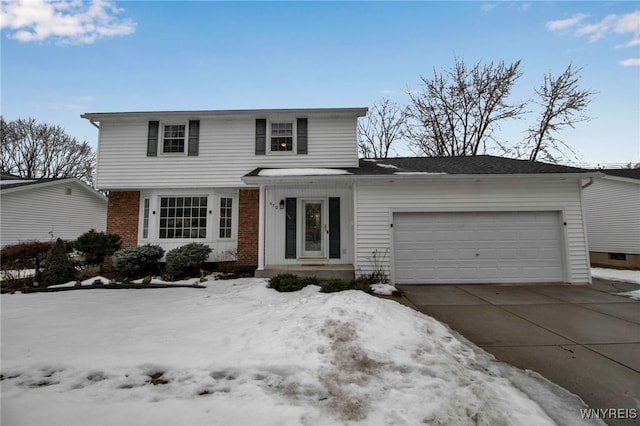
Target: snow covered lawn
[(238, 353)]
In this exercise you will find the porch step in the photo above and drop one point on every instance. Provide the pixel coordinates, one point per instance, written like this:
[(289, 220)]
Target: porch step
[(345, 272)]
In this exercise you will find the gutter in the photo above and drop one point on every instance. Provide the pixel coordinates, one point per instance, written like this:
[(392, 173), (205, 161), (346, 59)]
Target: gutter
[(588, 184), (91, 120), (392, 177)]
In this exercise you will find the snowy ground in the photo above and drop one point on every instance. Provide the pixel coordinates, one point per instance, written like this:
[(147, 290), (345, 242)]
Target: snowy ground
[(619, 275), (238, 353)]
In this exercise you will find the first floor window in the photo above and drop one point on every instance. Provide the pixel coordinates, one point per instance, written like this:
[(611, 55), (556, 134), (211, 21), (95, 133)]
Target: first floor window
[(145, 219), (281, 137), (226, 210), (183, 217), (173, 138)]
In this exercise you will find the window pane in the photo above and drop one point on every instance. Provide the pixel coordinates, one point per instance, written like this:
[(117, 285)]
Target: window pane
[(183, 222)]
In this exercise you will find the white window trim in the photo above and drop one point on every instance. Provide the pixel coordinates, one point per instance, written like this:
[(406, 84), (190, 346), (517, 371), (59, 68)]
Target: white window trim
[(294, 136), (235, 200), (185, 148), (209, 217)]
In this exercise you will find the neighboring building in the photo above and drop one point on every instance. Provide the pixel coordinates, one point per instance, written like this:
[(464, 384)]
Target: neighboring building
[(284, 190), (612, 215), (45, 209)]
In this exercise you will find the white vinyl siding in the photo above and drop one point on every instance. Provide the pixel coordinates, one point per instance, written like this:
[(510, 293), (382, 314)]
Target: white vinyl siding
[(378, 200), (47, 212), (226, 153), (612, 215), (275, 221)]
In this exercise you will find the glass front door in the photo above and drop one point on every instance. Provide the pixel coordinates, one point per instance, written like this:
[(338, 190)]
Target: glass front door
[(314, 228)]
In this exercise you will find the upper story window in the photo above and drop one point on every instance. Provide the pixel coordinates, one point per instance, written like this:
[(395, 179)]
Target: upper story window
[(273, 137), (281, 137), (173, 136)]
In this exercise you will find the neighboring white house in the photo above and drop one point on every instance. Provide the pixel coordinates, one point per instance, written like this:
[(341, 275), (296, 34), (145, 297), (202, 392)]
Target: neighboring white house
[(45, 209), (612, 210), (284, 190)]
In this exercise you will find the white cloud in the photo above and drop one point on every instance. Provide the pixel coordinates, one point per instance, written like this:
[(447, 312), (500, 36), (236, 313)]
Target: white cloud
[(65, 21), (388, 92), (488, 7), (632, 62), (625, 25), (524, 7), (564, 24)]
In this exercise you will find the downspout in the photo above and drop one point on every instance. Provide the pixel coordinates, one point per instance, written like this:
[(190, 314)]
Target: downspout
[(584, 228)]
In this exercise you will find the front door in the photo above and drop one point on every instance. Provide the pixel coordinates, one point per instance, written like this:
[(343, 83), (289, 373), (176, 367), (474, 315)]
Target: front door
[(313, 226)]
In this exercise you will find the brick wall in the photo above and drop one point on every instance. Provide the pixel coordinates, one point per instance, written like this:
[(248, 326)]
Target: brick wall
[(122, 216), (248, 222)]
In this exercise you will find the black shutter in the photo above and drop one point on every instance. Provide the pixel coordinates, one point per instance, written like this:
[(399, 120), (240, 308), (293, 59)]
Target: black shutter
[(194, 137), (334, 227), (302, 135), (290, 229), (261, 136), (152, 139)]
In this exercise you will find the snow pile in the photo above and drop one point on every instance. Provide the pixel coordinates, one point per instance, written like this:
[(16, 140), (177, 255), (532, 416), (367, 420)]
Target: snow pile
[(99, 280), (301, 172), (156, 280), (238, 353), (384, 289)]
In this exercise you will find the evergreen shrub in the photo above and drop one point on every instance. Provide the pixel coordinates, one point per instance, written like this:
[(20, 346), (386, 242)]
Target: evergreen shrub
[(187, 260), (136, 262)]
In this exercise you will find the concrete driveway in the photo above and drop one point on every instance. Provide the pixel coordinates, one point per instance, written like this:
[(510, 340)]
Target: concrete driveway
[(579, 337)]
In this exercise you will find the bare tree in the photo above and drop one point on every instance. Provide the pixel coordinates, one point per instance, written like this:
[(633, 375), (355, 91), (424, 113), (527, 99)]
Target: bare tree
[(38, 150), (380, 129), (458, 110), (563, 103)]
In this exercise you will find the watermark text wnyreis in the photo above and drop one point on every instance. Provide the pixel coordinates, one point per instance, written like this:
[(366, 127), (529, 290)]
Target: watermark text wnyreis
[(609, 413)]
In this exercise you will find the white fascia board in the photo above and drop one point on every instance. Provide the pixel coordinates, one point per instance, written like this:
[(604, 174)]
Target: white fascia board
[(258, 180), (150, 115)]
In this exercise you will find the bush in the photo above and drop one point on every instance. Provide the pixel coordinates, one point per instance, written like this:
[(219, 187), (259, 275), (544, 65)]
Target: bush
[(24, 255), (336, 284), (137, 261), (58, 267), (96, 245), (287, 282), (187, 260)]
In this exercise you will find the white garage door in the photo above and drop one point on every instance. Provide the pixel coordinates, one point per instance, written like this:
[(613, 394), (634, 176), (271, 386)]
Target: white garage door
[(477, 247)]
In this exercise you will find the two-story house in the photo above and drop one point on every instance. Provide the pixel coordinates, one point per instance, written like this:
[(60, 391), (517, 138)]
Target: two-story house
[(283, 189)]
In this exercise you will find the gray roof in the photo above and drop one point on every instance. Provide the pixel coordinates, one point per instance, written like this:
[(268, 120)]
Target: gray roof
[(476, 165), (625, 173), (16, 181)]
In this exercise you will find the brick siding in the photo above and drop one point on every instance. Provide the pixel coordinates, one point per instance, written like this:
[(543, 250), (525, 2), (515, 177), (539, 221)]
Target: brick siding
[(122, 216), (248, 223)]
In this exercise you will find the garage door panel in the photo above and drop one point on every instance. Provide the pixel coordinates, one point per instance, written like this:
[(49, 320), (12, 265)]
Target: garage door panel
[(477, 247)]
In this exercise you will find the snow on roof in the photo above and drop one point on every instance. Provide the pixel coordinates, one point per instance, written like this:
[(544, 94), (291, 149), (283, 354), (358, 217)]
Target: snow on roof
[(302, 172), (388, 166), (420, 173)]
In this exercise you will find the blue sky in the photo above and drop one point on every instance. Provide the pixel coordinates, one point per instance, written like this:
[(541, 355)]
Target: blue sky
[(78, 56)]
